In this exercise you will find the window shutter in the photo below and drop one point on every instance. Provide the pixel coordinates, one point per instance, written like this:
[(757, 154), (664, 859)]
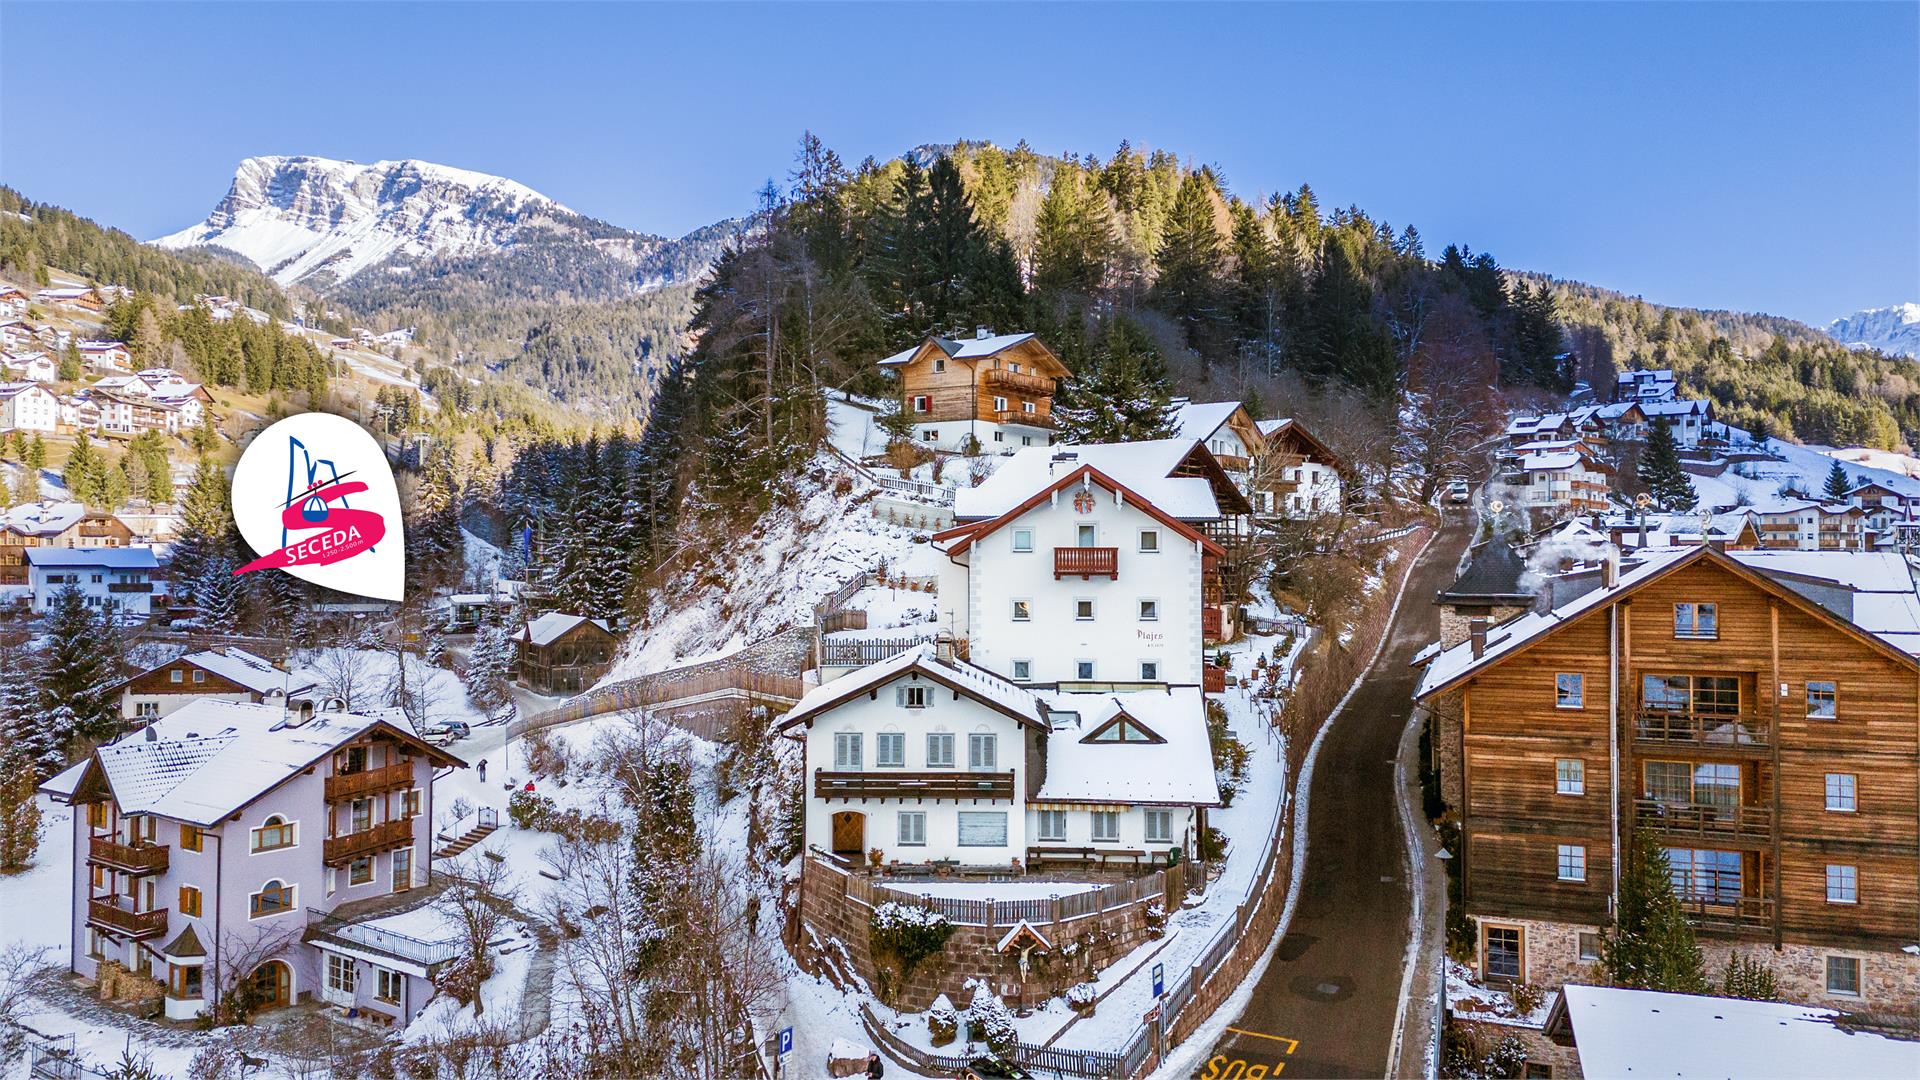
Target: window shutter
[(900, 696)]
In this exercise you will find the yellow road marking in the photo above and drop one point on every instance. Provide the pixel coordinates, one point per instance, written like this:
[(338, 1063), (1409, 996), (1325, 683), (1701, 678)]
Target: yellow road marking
[(1292, 1044)]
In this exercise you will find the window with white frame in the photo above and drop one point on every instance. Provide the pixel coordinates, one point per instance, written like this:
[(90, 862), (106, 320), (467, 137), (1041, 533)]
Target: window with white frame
[(999, 404), (983, 751), (1588, 945), (388, 985), (1023, 540), (982, 828), (1570, 777), (1022, 670), (1022, 610), (1106, 826), (340, 973), (274, 898), (1083, 669), (1842, 792), (846, 751), (940, 750), (890, 750), (1569, 690), (1053, 825), (1083, 609), (1823, 701), (913, 828), (1843, 884), (922, 403), (1149, 671), (273, 834), (1149, 540), (1843, 976), (1159, 826), (914, 697), (1573, 862), (1149, 610)]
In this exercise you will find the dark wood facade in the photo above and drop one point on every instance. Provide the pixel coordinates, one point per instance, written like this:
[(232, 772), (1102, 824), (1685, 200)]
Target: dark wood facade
[(568, 664), (1719, 751)]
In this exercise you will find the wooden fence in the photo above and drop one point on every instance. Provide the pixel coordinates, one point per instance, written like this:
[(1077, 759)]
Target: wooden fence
[(658, 691), (1039, 910), (872, 651)]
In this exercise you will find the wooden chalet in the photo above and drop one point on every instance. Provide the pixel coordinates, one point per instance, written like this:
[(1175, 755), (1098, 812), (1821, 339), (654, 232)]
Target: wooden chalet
[(1757, 711), (995, 389), (559, 653)]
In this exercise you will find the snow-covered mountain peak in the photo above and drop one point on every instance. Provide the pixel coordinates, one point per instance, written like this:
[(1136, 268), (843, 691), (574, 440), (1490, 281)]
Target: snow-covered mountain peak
[(296, 217), (1892, 330)]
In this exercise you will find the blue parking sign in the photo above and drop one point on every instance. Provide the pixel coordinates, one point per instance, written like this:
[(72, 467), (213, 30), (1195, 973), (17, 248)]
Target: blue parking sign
[(1159, 981), (786, 1041)]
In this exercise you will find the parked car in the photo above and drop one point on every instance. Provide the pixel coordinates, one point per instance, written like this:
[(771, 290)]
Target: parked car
[(1458, 491), (445, 733)]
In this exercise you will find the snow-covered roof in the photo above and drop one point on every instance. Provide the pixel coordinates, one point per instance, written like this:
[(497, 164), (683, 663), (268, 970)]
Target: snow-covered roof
[(15, 389), (1268, 427), (1142, 467), (1200, 419), (976, 682), (960, 349), (210, 758), (1881, 600), (1555, 459), (114, 558), (1177, 771), (552, 626), (1676, 408), (256, 673), (1625, 1033)]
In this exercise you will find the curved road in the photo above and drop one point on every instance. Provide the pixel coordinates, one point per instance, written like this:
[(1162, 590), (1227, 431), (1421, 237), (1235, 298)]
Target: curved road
[(1326, 1005)]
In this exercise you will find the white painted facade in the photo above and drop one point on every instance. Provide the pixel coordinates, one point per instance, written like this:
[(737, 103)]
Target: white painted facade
[(1002, 597), (118, 580), (1316, 491), (28, 408), (995, 438)]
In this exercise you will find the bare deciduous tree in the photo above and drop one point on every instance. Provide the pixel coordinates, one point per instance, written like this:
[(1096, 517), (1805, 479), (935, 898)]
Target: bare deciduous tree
[(345, 675), (479, 897), (19, 964)]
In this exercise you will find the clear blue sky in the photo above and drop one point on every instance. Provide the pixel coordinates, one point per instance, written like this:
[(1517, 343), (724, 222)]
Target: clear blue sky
[(1753, 157)]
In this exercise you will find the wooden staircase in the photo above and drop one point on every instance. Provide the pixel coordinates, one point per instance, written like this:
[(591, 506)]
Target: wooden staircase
[(488, 821)]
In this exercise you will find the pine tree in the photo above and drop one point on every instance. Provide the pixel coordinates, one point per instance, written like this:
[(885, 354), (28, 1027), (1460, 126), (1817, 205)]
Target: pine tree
[(78, 669), (19, 810), (1837, 483), (207, 536), (1660, 471), (1340, 339), (22, 726), (488, 688), (1749, 979), (1651, 947), (71, 366), (1072, 235), (1190, 261), (1118, 393)]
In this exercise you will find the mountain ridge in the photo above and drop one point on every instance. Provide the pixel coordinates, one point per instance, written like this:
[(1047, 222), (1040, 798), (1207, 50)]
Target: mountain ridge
[(1894, 330)]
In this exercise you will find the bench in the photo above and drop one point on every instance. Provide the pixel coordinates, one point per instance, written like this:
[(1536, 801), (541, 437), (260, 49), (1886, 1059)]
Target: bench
[(911, 870)]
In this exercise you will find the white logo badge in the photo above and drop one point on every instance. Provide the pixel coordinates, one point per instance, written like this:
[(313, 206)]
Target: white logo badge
[(316, 495)]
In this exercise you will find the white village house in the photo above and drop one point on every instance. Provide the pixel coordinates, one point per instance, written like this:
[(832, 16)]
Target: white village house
[(115, 579), (223, 673), (28, 406), (926, 758)]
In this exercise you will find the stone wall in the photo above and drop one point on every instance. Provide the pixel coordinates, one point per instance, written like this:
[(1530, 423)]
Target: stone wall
[(1890, 979), (838, 924), (1214, 986), (1563, 1061), (1455, 627), (115, 983), (1447, 737)]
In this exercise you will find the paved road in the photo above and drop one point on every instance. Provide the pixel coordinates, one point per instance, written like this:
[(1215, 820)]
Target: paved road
[(1325, 1007)]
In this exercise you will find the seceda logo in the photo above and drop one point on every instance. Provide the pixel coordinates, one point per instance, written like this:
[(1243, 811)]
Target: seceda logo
[(316, 495)]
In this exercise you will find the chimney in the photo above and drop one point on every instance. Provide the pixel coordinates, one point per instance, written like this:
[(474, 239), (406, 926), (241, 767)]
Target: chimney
[(1477, 633), (982, 333), (1610, 569), (1065, 457), (943, 646)]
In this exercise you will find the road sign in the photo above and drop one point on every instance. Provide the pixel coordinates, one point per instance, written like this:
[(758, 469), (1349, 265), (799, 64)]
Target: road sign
[(786, 1042), (1159, 981)]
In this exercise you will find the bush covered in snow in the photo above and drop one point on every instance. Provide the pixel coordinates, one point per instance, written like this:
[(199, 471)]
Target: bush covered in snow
[(989, 1021), (943, 1023), (908, 932), (1156, 918), (530, 810), (1082, 996)]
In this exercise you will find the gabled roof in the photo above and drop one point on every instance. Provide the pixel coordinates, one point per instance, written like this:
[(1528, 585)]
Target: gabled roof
[(1494, 575), (553, 626), (974, 348), (1144, 468), (1883, 610), (1200, 419), (1127, 724), (1286, 426), (239, 666), (210, 758), (921, 661), (956, 540), (1175, 771)]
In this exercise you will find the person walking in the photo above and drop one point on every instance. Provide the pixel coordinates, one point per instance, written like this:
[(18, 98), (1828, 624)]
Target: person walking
[(875, 1070), (482, 767)]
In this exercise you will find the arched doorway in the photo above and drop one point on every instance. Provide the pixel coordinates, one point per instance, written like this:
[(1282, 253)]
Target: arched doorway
[(273, 985), (850, 834)]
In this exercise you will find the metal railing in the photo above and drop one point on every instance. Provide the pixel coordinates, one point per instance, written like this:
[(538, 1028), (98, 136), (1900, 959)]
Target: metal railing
[(400, 946), (1086, 562)]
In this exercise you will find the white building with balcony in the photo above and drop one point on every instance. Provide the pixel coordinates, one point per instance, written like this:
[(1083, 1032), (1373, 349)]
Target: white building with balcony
[(112, 579)]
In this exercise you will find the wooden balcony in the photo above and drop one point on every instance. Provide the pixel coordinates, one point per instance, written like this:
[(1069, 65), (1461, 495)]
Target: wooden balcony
[(1233, 462), (1746, 733), (341, 786), (382, 837), (1737, 825), (1213, 623), (108, 915), (1017, 381), (1213, 680), (894, 784), (141, 858), (1027, 419), (130, 586), (1745, 915), (1086, 563)]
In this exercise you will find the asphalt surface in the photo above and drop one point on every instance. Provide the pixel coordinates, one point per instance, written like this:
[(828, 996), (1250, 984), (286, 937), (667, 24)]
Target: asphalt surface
[(1326, 1005)]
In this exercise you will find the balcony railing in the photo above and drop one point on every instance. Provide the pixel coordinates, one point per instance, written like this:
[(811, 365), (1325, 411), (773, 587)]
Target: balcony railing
[(1029, 419), (1018, 381), (1739, 915), (109, 915), (1086, 562), (1705, 731), (1212, 623), (1213, 680), (142, 858), (991, 786), (387, 834), (130, 586), (1706, 823), (368, 781), (1233, 462), (321, 924)]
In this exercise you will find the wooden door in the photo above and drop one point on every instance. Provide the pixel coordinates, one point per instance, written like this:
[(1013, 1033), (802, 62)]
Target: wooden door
[(850, 834), (273, 984)]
